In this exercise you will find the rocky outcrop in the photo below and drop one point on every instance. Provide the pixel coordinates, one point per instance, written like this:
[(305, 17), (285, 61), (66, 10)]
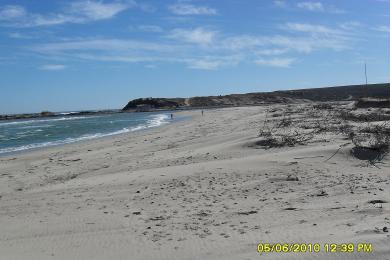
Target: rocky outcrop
[(155, 103)]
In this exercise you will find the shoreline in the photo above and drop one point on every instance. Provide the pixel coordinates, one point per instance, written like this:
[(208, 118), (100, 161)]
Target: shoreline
[(107, 135), (195, 189)]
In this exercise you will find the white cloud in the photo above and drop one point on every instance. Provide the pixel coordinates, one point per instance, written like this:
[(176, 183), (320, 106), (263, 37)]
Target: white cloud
[(313, 29), (271, 52), (202, 48), (280, 3), (18, 35), (108, 50), (10, 12), (100, 45), (318, 7), (303, 44), (189, 9), (116, 50), (275, 62), (40, 20), (318, 37), (117, 56), (311, 6), (198, 36), (351, 25), (204, 64), (53, 67), (213, 63), (82, 11), (92, 10), (383, 28)]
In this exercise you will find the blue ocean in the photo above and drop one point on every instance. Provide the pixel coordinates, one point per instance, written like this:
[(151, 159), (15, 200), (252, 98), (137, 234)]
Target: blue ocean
[(20, 135)]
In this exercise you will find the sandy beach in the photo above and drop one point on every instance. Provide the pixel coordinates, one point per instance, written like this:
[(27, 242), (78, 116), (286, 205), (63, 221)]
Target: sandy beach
[(197, 189)]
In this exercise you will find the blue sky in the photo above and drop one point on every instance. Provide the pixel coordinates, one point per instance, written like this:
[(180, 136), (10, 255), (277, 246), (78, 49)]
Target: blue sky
[(72, 55)]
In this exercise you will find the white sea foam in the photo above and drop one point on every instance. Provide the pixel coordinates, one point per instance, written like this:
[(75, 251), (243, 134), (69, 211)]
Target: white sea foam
[(67, 113), (156, 120), (28, 133)]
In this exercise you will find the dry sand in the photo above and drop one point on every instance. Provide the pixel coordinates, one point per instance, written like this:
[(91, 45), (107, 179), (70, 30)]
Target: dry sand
[(196, 189)]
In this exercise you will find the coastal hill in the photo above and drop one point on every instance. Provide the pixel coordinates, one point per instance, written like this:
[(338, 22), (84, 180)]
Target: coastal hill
[(340, 93)]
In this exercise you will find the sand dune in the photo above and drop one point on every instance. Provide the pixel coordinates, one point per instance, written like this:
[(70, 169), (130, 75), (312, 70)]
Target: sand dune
[(197, 189)]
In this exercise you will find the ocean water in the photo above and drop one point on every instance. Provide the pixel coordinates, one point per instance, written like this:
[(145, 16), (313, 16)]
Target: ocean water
[(20, 135)]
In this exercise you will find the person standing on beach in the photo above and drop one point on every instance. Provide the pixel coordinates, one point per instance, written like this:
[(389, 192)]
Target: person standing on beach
[(171, 116), (202, 112)]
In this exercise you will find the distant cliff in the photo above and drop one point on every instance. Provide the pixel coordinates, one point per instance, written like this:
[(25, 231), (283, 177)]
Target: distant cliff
[(352, 92)]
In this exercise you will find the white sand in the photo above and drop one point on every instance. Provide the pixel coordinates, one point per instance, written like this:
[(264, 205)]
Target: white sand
[(196, 189)]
